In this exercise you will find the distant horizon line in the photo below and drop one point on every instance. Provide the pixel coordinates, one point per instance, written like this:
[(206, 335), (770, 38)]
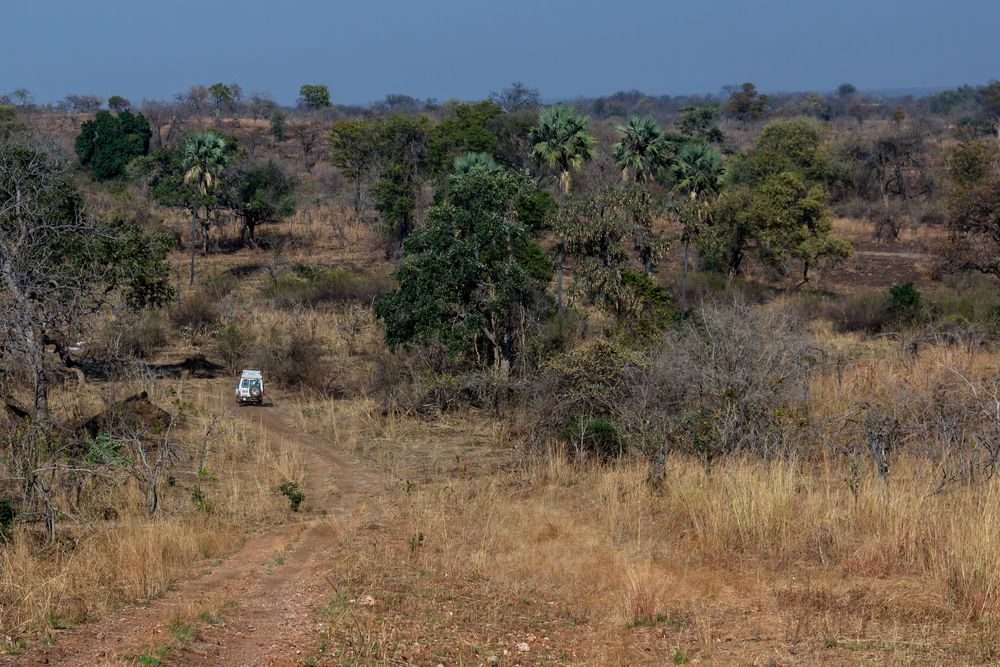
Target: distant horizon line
[(878, 91)]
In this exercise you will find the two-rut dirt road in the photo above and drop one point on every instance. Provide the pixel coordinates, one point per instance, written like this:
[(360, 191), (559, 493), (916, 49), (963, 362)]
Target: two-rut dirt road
[(271, 613)]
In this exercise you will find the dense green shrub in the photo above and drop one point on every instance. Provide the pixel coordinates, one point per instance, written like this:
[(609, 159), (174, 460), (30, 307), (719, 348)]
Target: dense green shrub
[(7, 515), (905, 302), (599, 437), (294, 494), (109, 142)]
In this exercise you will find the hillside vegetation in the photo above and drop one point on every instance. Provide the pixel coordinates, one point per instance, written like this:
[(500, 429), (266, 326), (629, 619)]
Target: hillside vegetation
[(633, 380)]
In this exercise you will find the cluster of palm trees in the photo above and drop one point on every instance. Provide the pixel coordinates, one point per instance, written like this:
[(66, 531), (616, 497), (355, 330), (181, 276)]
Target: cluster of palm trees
[(691, 169)]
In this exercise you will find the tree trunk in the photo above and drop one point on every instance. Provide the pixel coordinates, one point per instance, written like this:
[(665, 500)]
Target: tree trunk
[(194, 239), (40, 381), (154, 496), (684, 278), (357, 196), (559, 280)]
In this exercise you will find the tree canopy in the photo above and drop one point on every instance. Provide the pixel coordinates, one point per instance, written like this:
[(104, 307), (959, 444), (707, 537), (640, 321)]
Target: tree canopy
[(314, 96)]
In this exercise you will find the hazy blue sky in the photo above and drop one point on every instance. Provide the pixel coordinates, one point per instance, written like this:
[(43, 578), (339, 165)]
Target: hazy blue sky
[(466, 48)]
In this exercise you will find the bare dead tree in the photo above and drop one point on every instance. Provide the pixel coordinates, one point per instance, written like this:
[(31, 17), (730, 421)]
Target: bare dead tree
[(59, 265), (40, 292), (308, 135)]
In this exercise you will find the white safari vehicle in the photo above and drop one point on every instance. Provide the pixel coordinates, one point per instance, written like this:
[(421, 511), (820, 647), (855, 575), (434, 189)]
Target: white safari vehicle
[(251, 388)]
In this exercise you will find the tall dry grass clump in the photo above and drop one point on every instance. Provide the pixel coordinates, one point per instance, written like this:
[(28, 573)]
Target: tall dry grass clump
[(137, 559), (604, 541)]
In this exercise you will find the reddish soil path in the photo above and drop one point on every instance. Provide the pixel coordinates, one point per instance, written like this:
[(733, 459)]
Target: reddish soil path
[(270, 591)]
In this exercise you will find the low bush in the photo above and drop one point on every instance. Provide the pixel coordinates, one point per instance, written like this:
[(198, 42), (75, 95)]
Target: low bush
[(294, 494), (197, 312), (141, 335), (233, 342), (306, 285), (905, 302), (294, 362)]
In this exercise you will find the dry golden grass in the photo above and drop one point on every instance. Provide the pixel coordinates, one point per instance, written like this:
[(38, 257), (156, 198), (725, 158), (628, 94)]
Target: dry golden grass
[(136, 559), (792, 543)]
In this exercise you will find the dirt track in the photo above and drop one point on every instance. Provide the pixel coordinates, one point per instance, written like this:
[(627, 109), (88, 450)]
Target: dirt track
[(271, 589)]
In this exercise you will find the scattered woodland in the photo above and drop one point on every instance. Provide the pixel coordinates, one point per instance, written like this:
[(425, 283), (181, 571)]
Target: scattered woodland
[(643, 380)]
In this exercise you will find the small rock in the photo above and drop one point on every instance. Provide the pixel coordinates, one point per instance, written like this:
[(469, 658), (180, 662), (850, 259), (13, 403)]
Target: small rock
[(366, 601), (493, 660), (522, 647)]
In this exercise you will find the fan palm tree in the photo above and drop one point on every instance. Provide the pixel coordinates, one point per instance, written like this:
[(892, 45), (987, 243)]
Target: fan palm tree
[(642, 149), (205, 158), (697, 170), (464, 163), (562, 140)]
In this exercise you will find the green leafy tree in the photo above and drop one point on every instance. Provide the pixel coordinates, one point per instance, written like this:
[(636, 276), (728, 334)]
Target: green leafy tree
[(278, 124), (109, 142), (314, 97), (470, 275), (846, 91), (222, 97), (562, 140), (400, 147), (776, 204), (700, 123), (353, 146), (259, 193), (467, 129), (989, 99), (745, 104), (794, 145), (117, 103), (778, 218), (395, 199), (970, 162), (598, 230), (642, 150), (205, 158), (10, 124)]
